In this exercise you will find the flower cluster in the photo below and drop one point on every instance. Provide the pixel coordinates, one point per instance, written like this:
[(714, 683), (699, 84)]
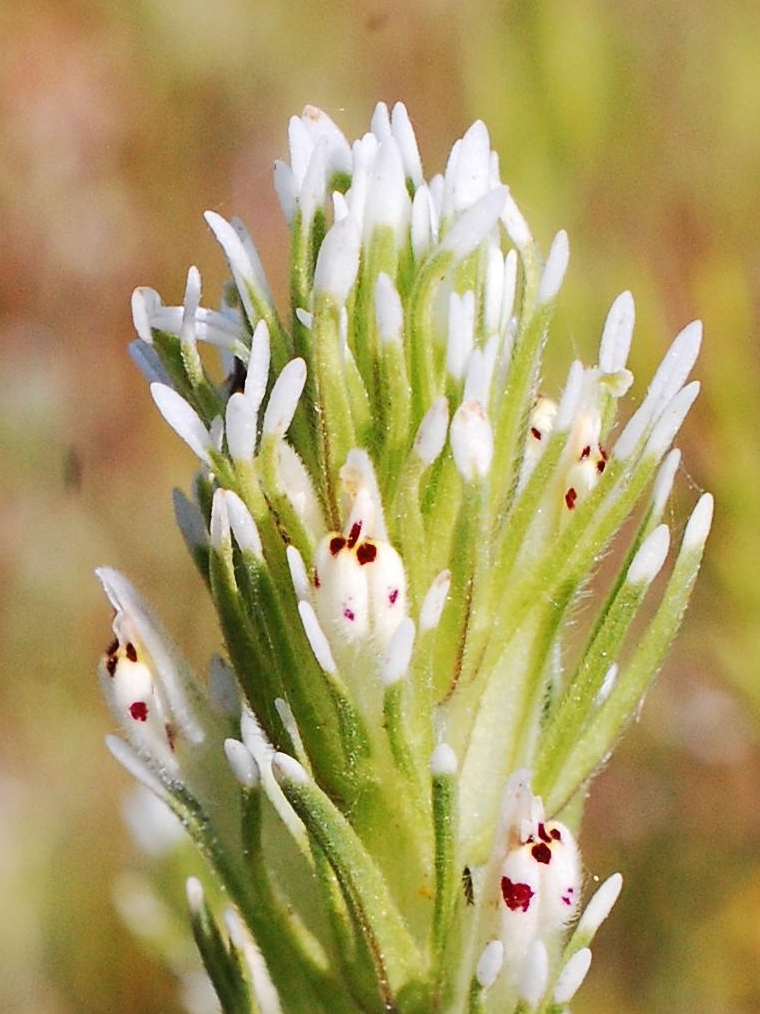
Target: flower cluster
[(395, 522)]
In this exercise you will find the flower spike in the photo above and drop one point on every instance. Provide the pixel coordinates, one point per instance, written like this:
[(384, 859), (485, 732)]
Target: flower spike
[(397, 519)]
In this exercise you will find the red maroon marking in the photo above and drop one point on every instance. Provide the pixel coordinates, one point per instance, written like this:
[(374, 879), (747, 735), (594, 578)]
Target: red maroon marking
[(139, 711), (366, 552), (600, 465), (113, 647), (131, 651), (169, 736), (536, 433), (570, 497), (317, 582), (353, 536), (393, 596), (111, 665), (586, 451), (542, 853), (349, 614), (336, 544), (567, 899), (543, 834), (516, 896), (556, 834)]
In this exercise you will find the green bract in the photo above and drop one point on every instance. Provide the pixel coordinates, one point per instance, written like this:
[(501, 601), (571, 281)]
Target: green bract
[(394, 524)]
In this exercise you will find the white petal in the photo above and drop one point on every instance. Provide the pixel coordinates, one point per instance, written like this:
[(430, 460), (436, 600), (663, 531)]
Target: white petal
[(699, 524), (490, 963), (618, 332), (431, 435), (190, 305), (572, 975), (534, 976), (648, 561), (338, 261), (398, 654), (145, 303), (240, 427), (471, 228), (555, 268), (287, 769), (600, 906), (389, 312), (283, 401), (443, 761), (243, 525), (183, 419), (242, 762), (471, 439), (404, 133), (434, 601), (258, 365), (316, 638), (298, 575)]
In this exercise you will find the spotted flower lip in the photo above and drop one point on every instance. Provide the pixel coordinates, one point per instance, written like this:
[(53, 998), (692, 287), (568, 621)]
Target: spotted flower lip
[(396, 520)]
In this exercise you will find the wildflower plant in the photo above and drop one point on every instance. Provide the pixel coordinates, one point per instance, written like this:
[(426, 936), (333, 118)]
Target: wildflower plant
[(395, 524)]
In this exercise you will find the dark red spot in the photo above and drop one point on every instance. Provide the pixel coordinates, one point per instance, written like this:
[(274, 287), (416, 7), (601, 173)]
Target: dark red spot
[(113, 647), (366, 552), (337, 542), (567, 898), (570, 497), (392, 596), (317, 582), (349, 614), (169, 736), (543, 834), (586, 451), (536, 433), (556, 834), (111, 665), (516, 896), (353, 537), (600, 465), (131, 652), (139, 711), (542, 853)]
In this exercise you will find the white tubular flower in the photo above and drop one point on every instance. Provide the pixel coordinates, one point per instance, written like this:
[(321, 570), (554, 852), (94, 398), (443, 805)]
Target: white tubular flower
[(587, 458), (540, 885), (359, 587), (147, 685)]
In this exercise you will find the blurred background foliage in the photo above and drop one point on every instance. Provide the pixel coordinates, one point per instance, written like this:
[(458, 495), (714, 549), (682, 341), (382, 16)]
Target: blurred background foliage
[(633, 124)]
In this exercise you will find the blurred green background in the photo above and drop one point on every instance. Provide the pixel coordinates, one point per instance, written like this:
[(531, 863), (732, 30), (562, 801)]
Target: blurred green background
[(635, 125)]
